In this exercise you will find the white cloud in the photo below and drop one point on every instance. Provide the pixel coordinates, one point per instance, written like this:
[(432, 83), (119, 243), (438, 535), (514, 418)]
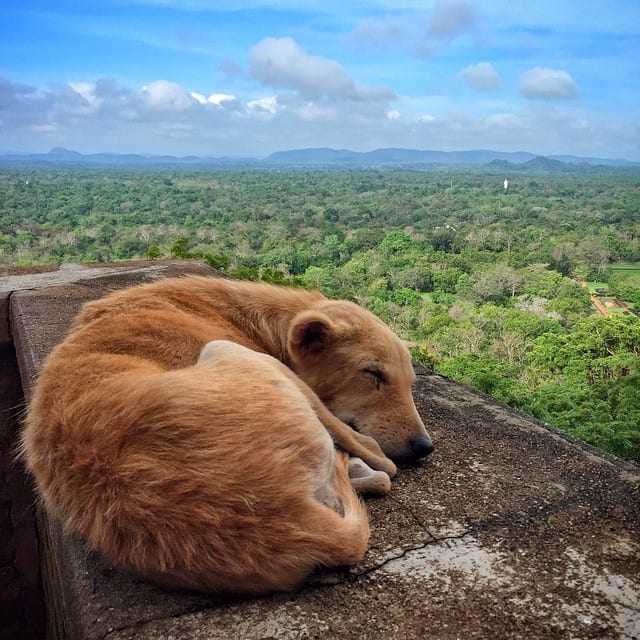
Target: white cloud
[(79, 99), (88, 91), (452, 17), (311, 112), (198, 97), (481, 76), (416, 32), (164, 117), (544, 83), (166, 96), (265, 105), (281, 63), (222, 100)]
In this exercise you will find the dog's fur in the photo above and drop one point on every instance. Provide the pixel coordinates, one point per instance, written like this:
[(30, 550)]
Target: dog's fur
[(165, 431)]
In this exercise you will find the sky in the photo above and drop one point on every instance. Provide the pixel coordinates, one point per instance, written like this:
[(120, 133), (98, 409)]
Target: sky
[(250, 77)]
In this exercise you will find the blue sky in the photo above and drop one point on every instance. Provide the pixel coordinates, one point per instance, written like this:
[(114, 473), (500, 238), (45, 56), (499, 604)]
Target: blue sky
[(216, 77)]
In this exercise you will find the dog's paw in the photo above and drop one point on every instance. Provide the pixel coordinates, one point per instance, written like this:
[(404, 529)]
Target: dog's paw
[(378, 460), (389, 467), (366, 480)]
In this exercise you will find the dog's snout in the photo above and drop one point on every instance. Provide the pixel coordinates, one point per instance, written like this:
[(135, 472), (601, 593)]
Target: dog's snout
[(421, 446)]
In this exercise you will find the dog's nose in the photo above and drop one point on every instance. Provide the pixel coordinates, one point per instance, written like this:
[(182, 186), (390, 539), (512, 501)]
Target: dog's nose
[(421, 446)]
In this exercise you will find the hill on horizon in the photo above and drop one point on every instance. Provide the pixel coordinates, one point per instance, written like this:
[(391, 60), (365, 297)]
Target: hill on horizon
[(326, 157), (474, 157)]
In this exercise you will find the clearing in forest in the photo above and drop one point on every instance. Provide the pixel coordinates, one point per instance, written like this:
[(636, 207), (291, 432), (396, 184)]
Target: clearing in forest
[(604, 300)]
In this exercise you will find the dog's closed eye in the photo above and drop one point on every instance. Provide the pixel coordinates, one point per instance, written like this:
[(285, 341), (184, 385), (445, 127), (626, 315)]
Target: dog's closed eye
[(378, 377)]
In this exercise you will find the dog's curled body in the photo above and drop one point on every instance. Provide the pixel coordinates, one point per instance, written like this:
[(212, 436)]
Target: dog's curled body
[(168, 432), (163, 475)]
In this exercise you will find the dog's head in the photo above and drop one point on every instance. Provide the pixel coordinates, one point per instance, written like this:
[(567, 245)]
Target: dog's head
[(362, 372)]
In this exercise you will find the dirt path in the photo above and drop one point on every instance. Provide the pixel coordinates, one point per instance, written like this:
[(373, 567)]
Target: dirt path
[(594, 300), (599, 306)]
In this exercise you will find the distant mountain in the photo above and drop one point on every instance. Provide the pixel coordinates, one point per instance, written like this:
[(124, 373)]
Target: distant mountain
[(485, 159), (60, 153), (393, 156), (325, 157), (62, 156), (322, 155), (589, 160), (541, 164), (546, 165)]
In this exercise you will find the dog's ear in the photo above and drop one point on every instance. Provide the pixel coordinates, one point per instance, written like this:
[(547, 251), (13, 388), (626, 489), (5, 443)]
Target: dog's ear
[(310, 333)]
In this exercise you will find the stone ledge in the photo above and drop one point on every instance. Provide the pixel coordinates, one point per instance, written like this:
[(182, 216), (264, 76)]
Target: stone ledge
[(33, 278), (40, 320), (510, 530)]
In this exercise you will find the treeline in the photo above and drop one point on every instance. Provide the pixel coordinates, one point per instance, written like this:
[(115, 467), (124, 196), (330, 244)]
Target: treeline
[(478, 278)]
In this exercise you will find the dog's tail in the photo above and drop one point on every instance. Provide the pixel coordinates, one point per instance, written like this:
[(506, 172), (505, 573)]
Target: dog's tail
[(355, 518), (343, 522)]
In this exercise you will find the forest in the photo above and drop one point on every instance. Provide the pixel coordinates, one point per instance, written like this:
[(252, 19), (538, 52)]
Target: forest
[(491, 286)]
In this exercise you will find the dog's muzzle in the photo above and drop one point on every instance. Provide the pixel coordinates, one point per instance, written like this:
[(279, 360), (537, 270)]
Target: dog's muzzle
[(420, 447)]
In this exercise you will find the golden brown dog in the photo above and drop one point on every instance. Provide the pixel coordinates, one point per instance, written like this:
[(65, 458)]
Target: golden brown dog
[(193, 461)]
